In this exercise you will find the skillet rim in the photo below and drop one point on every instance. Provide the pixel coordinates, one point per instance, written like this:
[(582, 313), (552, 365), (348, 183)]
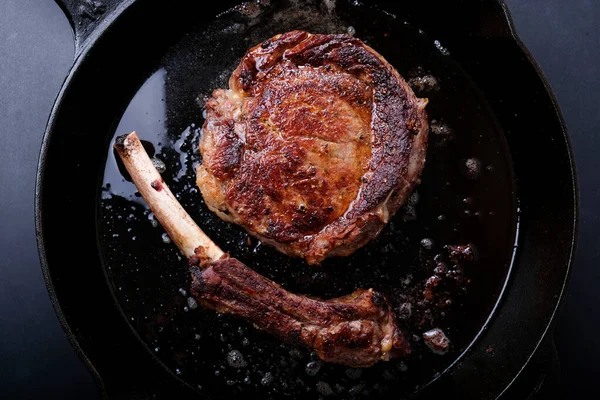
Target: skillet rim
[(80, 56), (87, 46), (559, 302)]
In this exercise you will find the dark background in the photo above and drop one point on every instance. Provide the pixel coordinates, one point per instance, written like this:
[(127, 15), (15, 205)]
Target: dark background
[(36, 50)]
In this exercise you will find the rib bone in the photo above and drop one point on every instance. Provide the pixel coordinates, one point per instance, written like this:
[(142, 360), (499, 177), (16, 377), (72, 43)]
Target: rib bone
[(175, 220)]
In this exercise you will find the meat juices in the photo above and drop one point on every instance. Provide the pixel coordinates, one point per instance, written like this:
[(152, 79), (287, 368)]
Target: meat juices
[(317, 143)]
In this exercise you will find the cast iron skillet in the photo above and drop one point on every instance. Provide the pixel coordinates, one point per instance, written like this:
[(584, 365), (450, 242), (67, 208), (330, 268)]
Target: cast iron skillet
[(117, 44)]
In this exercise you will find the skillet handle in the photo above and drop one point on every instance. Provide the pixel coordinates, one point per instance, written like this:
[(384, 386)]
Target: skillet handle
[(85, 17)]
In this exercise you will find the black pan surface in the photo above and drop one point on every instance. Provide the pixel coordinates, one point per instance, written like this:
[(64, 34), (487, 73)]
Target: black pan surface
[(471, 192), (467, 197)]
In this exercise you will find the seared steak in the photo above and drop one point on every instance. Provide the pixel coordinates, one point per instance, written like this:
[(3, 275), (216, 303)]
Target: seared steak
[(314, 147)]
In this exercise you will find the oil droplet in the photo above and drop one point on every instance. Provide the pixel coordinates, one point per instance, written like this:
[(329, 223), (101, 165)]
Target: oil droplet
[(402, 367), (354, 373), (414, 199), (192, 304), (324, 388), (439, 128), (152, 220), (235, 359), (427, 243), (424, 84), (159, 165), (356, 389), (405, 311), (267, 379), (313, 368), (441, 48), (473, 168)]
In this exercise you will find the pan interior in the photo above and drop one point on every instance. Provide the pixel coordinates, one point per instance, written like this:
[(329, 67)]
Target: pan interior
[(467, 196)]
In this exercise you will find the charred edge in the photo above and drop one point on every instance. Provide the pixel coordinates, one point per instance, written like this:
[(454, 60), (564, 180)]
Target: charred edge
[(197, 281), (120, 141), (379, 300), (201, 260), (198, 259), (194, 262)]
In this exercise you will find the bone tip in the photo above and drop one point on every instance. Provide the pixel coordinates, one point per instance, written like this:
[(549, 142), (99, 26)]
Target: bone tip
[(121, 141)]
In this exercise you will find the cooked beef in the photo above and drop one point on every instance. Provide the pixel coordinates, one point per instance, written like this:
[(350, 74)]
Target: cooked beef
[(315, 145), (355, 330)]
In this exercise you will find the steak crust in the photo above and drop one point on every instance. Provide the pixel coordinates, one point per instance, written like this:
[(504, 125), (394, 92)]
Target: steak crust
[(315, 145)]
